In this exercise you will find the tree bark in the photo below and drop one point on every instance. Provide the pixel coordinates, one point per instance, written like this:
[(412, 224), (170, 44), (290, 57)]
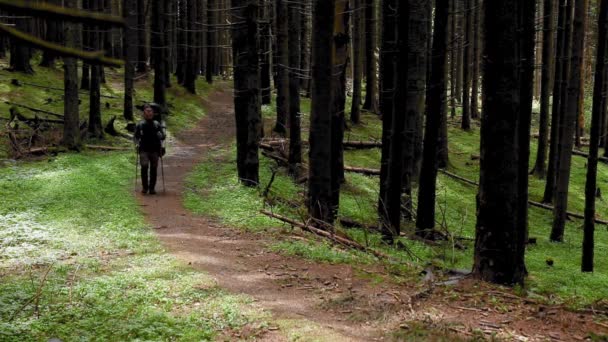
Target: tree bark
[(95, 126), (468, 33), (71, 124), (371, 89), (130, 55), (159, 53), (357, 51), (319, 180), (52, 34), (282, 67), (548, 57), (247, 104), (212, 36), (562, 70), (21, 53), (294, 45), (499, 252), (142, 42), (387, 96), (436, 110), (192, 56), (591, 182), (340, 59), (567, 125)]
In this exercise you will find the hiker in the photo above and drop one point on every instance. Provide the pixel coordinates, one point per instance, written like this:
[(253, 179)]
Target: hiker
[(149, 137)]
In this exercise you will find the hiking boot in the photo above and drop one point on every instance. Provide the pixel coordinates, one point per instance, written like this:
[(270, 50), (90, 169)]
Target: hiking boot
[(144, 191), (152, 192)]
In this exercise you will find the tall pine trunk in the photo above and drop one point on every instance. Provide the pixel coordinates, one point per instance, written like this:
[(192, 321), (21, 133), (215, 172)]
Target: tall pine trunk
[(371, 42), (436, 110), (71, 125), (247, 102), (282, 67), (95, 125), (388, 58), (319, 180), (142, 41), (159, 54), (130, 55), (467, 53), (591, 183), (568, 125), (295, 136), (499, 247), (548, 58), (357, 49)]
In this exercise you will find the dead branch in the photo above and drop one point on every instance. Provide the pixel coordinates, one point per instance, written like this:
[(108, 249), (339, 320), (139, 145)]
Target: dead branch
[(586, 155), (361, 145), (363, 171), (37, 110), (107, 148), (19, 83), (337, 239)]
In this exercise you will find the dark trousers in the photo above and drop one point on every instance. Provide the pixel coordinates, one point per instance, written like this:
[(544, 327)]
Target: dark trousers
[(148, 161)]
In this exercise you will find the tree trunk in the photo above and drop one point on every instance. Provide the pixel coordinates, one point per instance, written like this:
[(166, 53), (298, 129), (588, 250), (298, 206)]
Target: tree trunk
[(371, 89), (340, 59), (436, 110), (159, 54), (548, 57), (294, 45), (476, 58), (142, 42), (282, 68), (357, 51), (191, 69), (21, 53), (562, 70), (417, 74), (130, 55), (499, 251), (265, 54), (468, 33), (71, 124), (247, 105), (319, 180), (53, 35), (567, 125), (212, 36), (95, 126), (591, 183), (526, 36), (453, 55), (387, 96), (306, 46)]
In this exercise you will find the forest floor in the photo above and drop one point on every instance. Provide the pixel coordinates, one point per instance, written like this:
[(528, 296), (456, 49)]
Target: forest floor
[(311, 300)]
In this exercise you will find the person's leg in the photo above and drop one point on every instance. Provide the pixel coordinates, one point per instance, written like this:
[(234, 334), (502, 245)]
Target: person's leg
[(154, 157), (145, 163)]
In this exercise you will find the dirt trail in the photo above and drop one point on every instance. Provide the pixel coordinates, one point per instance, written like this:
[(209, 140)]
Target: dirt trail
[(329, 302)]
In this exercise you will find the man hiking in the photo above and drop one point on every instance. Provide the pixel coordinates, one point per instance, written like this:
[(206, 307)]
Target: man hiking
[(149, 137)]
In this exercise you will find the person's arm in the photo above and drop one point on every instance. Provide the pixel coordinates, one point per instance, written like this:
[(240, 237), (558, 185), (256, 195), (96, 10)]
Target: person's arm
[(160, 131), (137, 134)]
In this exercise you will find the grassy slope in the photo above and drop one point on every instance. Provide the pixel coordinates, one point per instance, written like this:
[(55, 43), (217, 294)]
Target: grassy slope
[(76, 257), (456, 202)]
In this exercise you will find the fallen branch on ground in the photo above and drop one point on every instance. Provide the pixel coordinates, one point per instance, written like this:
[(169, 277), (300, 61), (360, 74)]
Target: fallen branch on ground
[(37, 110), (363, 171), (337, 239)]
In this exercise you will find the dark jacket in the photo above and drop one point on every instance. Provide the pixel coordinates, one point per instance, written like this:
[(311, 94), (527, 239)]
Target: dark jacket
[(149, 135)]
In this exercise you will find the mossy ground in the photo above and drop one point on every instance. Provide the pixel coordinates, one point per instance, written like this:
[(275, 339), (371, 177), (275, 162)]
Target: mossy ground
[(562, 282)]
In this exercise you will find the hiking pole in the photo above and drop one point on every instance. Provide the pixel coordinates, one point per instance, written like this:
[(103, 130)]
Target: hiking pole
[(136, 166), (162, 172)]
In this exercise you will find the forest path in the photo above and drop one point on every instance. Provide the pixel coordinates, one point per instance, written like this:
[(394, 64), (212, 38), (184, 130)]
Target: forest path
[(293, 290), (317, 301)]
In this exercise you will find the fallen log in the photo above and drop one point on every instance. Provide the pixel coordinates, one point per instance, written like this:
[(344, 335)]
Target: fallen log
[(108, 148), (349, 223), (586, 155), (279, 159), (337, 239), (361, 145), (18, 83), (37, 110), (532, 203), (363, 171), (31, 122)]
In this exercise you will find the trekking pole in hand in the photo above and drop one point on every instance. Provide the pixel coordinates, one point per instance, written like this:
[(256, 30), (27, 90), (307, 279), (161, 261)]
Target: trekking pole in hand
[(162, 172), (136, 165)]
